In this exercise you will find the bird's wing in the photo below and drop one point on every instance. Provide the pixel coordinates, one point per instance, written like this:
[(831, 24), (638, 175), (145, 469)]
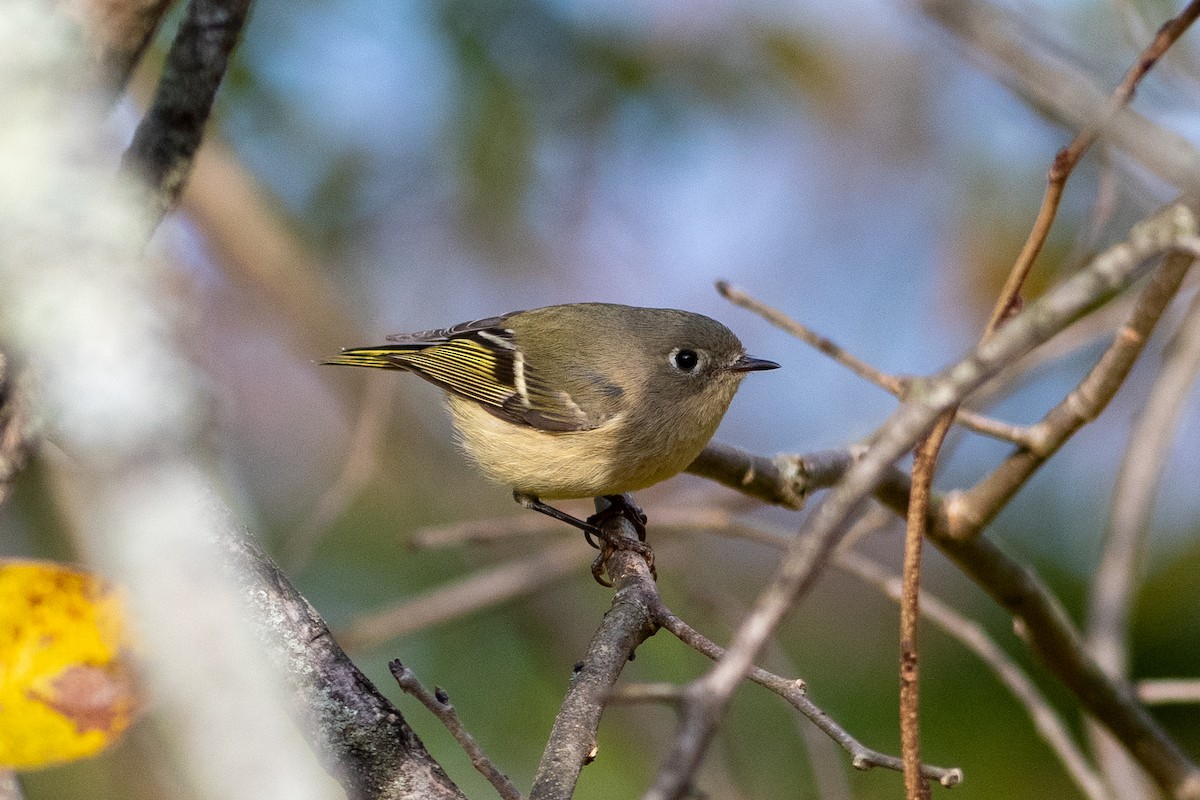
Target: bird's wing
[(480, 361)]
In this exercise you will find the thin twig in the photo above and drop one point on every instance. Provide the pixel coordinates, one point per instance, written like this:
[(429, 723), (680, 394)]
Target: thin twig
[(1161, 691), (1067, 158), (970, 511), (1109, 273), (169, 135), (440, 706), (972, 635), (1133, 501), (924, 465), (1064, 164), (488, 587), (1007, 303), (793, 691), (1045, 719), (893, 385), (1050, 632), (1014, 52)]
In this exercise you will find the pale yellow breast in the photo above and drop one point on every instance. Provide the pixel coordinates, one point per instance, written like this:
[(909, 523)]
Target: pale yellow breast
[(567, 464)]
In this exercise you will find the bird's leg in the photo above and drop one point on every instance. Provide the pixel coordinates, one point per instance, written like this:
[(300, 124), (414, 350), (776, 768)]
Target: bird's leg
[(532, 502), (618, 505)]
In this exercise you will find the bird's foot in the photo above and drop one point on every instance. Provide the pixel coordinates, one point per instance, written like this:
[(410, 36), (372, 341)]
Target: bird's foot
[(614, 544), (619, 505)]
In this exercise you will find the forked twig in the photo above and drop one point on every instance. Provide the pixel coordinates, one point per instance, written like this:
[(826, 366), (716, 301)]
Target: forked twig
[(438, 703)]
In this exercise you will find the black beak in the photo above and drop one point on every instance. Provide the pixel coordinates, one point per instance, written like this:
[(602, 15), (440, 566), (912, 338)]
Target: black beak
[(751, 364)]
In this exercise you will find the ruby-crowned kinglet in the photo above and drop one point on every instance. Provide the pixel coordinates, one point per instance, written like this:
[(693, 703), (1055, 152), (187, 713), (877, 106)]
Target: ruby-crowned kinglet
[(579, 400)]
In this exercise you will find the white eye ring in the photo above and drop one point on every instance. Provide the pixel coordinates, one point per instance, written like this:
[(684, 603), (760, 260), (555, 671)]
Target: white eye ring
[(684, 359)]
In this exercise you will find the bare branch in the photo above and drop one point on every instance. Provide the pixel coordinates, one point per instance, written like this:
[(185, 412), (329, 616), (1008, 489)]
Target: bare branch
[(793, 691), (924, 465), (494, 585), (365, 740), (1045, 720), (1013, 53), (167, 138), (1161, 691), (1133, 501), (629, 621), (971, 635), (439, 705), (970, 512), (896, 386), (785, 480), (1067, 158), (1106, 275)]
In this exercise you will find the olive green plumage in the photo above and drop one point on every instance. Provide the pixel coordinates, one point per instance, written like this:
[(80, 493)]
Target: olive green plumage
[(578, 400)]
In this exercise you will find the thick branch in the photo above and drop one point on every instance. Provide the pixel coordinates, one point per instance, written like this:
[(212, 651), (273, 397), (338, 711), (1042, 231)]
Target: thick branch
[(363, 739), (16, 427), (167, 138)]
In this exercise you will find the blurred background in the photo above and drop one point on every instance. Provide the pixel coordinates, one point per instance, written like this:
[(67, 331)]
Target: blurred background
[(376, 167)]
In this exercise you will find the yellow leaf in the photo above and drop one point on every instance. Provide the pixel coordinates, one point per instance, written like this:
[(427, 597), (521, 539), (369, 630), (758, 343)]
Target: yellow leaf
[(66, 685)]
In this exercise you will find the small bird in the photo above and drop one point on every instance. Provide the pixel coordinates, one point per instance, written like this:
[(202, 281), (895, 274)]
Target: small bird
[(578, 400)]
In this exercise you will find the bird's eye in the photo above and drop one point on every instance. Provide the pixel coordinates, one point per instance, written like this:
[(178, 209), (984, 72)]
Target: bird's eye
[(684, 359)]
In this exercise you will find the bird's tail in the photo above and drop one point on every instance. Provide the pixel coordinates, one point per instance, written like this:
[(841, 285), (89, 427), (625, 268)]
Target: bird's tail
[(387, 357)]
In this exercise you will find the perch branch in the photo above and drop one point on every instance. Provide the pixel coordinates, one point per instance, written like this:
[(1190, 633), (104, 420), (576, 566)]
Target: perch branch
[(572, 742)]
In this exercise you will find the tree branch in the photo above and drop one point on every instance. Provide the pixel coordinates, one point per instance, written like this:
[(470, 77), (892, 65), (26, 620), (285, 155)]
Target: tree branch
[(969, 512), (629, 621), (1133, 501), (17, 434), (438, 703), (794, 692), (364, 740), (1013, 53), (1047, 723), (1107, 274), (169, 135)]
